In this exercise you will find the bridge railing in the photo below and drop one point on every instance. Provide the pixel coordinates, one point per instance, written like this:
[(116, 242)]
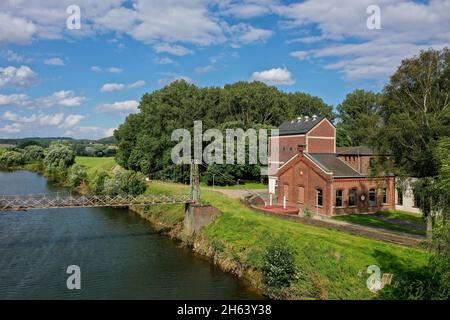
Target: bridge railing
[(27, 202)]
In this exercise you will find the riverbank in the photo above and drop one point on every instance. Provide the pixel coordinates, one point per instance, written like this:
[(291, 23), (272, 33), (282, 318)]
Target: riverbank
[(332, 264)]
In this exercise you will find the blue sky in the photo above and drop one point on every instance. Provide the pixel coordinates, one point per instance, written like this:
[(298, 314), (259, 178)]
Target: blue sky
[(82, 83)]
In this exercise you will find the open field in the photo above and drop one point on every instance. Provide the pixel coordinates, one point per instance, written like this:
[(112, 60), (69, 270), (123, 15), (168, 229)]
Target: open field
[(96, 164), (391, 220), (332, 263)]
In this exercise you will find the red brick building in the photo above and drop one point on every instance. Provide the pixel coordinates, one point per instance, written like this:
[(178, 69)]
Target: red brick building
[(311, 173)]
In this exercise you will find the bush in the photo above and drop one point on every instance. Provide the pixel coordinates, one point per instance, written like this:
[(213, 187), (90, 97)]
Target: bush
[(125, 183), (97, 185), (11, 158), (279, 270), (59, 155), (33, 153), (77, 176)]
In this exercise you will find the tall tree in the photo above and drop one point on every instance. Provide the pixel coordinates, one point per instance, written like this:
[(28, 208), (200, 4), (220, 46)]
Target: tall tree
[(358, 115), (416, 116), (304, 104)]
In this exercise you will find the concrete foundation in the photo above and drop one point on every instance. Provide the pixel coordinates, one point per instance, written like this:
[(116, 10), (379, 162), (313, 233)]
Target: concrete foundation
[(198, 216)]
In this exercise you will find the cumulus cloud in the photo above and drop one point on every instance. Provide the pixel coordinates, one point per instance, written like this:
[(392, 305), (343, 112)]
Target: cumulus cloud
[(174, 49), (243, 33), (110, 87), (17, 77), (358, 52), (59, 120), (89, 132), (164, 60), (109, 69), (13, 56), (301, 55), (275, 76), (54, 62), (15, 29), (13, 99), (64, 98), (121, 107)]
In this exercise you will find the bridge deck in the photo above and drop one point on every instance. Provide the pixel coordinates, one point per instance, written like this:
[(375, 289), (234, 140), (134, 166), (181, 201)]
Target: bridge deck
[(20, 203)]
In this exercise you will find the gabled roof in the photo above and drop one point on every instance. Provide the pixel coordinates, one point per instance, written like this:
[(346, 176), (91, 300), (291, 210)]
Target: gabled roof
[(330, 162), (359, 150), (301, 126)]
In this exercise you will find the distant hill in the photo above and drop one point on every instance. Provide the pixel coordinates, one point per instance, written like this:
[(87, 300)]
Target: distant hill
[(44, 142), (108, 140)]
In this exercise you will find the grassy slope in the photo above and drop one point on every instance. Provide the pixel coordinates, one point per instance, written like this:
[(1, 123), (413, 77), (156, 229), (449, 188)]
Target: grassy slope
[(249, 185), (96, 164), (329, 261), (373, 221)]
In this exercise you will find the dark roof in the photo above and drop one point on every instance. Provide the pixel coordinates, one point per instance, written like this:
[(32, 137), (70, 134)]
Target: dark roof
[(330, 162), (359, 150), (298, 126)]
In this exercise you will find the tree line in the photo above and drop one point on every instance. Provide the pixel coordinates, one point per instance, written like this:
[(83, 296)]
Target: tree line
[(57, 163)]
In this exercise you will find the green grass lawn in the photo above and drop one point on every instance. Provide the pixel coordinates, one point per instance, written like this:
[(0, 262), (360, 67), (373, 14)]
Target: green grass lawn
[(332, 264), (96, 164), (375, 221)]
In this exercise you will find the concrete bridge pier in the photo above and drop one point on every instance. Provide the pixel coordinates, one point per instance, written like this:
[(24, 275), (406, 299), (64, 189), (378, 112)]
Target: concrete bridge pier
[(198, 216)]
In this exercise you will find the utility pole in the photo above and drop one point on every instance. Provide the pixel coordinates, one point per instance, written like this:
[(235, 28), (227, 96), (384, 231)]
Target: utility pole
[(195, 182)]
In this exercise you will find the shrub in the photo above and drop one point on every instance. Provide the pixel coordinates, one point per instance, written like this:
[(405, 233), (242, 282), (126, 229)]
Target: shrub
[(11, 158), (33, 153), (97, 185), (59, 155), (76, 176), (278, 268), (125, 183)]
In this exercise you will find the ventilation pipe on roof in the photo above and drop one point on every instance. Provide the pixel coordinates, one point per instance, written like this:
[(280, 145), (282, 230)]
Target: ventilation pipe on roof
[(299, 119), (314, 118), (306, 118)]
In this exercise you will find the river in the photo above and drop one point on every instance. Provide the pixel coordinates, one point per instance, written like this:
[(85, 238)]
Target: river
[(119, 254)]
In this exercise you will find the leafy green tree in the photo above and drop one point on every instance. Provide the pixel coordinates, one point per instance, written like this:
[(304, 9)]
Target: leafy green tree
[(11, 158), (359, 118), (125, 182), (33, 153), (416, 116), (77, 176), (59, 155), (97, 184), (304, 104)]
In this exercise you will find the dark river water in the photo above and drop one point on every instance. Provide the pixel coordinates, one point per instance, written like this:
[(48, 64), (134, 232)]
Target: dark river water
[(120, 256)]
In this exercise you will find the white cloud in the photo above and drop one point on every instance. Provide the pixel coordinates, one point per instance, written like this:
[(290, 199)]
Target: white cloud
[(54, 62), (114, 70), (42, 120), (110, 87), (243, 33), (301, 55), (164, 60), (121, 107), (64, 98), (275, 76), (11, 128), (17, 77), (176, 50), (137, 84), (13, 56), (205, 69), (359, 53), (89, 132), (96, 69), (72, 120), (13, 99), (15, 29)]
